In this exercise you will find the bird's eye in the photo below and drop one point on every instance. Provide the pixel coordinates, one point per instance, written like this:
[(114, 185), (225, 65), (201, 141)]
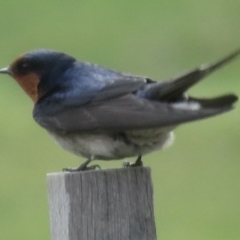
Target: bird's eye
[(23, 67)]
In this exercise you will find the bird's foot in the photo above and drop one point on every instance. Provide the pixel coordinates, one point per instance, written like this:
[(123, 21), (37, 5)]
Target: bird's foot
[(82, 167), (138, 163)]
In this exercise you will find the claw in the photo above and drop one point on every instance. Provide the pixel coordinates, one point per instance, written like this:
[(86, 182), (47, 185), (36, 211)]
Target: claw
[(82, 167), (138, 163)]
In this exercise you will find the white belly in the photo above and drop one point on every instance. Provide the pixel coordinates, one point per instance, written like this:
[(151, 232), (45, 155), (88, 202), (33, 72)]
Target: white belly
[(104, 146)]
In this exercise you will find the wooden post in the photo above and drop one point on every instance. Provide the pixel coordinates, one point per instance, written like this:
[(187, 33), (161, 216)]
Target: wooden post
[(115, 204)]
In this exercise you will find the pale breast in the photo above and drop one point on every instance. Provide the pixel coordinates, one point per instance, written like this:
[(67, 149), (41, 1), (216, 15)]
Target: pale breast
[(106, 146)]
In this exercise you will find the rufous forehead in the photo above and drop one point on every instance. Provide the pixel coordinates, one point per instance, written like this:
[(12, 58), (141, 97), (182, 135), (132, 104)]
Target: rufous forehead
[(18, 59)]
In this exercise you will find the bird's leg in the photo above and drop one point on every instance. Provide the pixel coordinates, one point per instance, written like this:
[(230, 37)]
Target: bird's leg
[(82, 167), (138, 163)]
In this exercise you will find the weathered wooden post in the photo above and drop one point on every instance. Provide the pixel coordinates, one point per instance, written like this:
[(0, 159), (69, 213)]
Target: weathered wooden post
[(115, 204)]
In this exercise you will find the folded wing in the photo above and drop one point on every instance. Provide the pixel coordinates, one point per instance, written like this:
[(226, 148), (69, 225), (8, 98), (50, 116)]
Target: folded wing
[(130, 112)]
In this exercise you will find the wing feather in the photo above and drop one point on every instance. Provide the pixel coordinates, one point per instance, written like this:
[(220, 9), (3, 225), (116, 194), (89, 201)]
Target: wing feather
[(124, 113)]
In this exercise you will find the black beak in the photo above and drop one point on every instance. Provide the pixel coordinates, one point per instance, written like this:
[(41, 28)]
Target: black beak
[(4, 70)]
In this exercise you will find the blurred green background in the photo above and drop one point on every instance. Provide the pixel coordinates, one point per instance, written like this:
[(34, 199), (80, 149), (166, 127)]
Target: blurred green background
[(197, 180)]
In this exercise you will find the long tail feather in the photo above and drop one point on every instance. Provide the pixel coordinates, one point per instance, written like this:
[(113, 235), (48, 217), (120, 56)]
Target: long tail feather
[(174, 89), (217, 102)]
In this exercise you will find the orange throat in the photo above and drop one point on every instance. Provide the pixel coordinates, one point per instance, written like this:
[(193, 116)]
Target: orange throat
[(29, 83)]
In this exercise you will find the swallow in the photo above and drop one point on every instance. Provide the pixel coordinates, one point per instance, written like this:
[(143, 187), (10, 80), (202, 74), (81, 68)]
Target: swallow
[(103, 114)]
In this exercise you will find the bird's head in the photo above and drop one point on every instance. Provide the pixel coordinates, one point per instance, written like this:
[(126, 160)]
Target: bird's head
[(37, 71)]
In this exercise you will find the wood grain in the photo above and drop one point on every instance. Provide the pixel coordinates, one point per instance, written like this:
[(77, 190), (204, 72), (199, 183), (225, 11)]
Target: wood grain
[(115, 204)]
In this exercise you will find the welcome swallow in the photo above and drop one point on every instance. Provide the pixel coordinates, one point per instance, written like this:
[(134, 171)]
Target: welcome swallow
[(104, 114)]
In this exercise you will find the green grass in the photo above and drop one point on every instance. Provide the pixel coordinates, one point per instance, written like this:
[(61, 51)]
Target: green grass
[(196, 181)]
